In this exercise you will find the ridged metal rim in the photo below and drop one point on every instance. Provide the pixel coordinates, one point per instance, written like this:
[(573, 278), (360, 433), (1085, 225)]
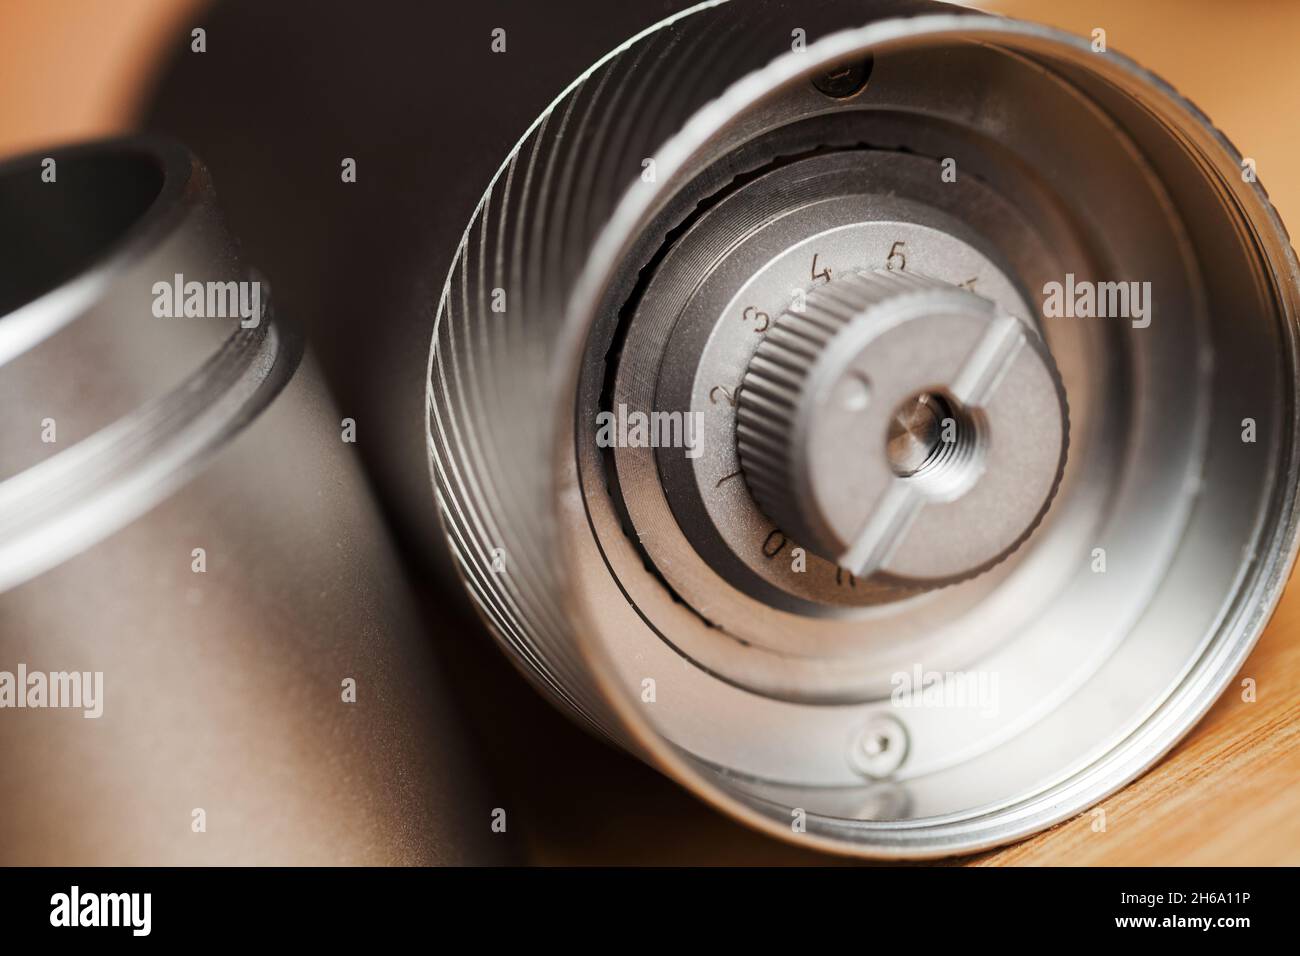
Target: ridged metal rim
[(55, 509), (62, 505), (43, 316), (563, 620)]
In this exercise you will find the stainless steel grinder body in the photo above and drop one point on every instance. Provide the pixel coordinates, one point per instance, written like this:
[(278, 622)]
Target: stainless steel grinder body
[(180, 515), (888, 429)]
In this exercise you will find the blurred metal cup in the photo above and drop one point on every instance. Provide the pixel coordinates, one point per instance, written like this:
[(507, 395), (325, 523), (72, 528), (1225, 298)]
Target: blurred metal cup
[(184, 528)]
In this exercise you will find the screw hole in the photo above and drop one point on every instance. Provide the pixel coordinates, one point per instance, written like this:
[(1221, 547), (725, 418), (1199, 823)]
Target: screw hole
[(845, 79), (937, 444)]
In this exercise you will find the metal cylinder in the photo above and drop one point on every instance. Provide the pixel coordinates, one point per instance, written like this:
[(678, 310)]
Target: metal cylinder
[(1061, 594), (208, 650)]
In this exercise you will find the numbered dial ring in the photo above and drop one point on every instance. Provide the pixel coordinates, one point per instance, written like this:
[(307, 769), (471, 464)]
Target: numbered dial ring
[(705, 334), (751, 598)]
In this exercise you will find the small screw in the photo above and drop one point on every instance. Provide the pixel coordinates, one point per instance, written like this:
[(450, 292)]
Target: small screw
[(879, 748), (844, 80)]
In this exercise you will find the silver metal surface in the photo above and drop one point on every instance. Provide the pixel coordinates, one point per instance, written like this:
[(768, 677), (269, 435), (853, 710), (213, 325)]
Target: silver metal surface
[(195, 532), (875, 406), (1084, 624)]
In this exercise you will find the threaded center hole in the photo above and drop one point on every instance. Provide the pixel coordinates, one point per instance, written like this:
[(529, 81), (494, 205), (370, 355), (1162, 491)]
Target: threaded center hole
[(936, 443)]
